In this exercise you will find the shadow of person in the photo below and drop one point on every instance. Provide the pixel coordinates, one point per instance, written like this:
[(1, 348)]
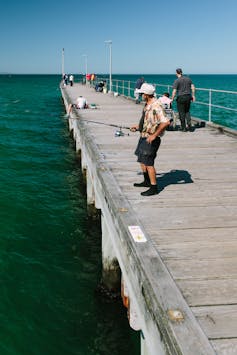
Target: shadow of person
[(173, 177)]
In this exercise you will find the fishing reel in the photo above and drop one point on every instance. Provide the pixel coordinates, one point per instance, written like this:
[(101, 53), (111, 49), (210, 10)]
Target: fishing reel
[(120, 133)]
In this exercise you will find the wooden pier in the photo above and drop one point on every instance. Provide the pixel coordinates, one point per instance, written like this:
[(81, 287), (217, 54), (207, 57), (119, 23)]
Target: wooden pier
[(181, 276)]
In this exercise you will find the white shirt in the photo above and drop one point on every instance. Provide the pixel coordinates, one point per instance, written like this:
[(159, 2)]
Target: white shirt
[(81, 102), (165, 101)]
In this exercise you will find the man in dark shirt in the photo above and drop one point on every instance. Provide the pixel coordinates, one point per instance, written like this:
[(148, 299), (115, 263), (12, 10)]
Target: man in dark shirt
[(185, 91), (138, 85)]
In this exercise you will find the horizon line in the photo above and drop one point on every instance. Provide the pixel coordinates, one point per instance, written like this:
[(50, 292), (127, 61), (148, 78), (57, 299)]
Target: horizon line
[(12, 73)]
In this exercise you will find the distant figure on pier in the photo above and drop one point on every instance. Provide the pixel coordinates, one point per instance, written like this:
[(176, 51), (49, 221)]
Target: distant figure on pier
[(83, 80), (100, 86), (165, 100), (88, 78), (184, 88), (81, 103), (151, 126), (93, 77), (71, 79), (138, 85), (65, 79)]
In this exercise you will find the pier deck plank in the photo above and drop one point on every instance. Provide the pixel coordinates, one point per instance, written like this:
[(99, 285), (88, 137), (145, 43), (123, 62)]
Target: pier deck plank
[(192, 221)]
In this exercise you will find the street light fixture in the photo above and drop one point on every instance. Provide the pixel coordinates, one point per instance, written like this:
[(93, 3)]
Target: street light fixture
[(109, 42)]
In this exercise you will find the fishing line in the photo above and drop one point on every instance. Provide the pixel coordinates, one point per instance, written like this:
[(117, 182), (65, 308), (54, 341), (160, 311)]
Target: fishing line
[(108, 124), (118, 133)]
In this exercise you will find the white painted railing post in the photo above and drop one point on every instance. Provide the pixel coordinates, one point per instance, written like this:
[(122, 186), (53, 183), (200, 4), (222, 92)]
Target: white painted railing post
[(210, 99)]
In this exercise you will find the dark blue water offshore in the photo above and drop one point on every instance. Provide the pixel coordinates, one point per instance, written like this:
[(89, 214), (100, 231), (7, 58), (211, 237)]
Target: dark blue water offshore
[(203, 83), (50, 252)]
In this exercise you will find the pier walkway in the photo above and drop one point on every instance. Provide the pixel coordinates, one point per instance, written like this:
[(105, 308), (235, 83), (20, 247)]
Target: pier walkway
[(182, 281)]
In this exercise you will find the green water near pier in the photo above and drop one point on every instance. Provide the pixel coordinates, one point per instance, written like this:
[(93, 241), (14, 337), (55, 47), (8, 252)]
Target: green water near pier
[(50, 252)]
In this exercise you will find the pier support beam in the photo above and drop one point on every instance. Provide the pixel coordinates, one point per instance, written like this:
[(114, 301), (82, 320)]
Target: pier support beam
[(144, 350), (111, 273), (90, 191), (83, 161)]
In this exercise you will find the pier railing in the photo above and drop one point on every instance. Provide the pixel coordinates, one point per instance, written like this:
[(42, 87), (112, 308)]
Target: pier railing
[(216, 106)]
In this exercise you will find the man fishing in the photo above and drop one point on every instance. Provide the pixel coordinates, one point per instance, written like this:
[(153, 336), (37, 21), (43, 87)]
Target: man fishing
[(151, 126)]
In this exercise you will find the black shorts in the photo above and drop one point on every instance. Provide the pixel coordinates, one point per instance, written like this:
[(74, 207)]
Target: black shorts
[(146, 152)]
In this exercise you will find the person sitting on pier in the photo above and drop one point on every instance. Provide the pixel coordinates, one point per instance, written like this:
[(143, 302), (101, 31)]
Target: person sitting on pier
[(151, 126), (165, 100), (81, 102), (100, 86)]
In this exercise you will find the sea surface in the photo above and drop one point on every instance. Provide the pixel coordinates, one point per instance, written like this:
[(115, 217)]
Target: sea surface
[(50, 252), (203, 84)]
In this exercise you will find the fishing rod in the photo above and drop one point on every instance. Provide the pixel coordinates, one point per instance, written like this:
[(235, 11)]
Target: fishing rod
[(118, 133), (108, 124)]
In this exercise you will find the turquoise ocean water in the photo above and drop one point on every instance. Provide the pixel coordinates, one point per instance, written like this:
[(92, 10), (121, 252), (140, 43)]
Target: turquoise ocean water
[(50, 253), (200, 108)]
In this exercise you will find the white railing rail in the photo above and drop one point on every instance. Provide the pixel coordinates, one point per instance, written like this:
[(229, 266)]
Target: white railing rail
[(204, 97), (211, 105)]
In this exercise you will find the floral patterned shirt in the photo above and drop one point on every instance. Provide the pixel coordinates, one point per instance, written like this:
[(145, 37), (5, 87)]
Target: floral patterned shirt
[(154, 115)]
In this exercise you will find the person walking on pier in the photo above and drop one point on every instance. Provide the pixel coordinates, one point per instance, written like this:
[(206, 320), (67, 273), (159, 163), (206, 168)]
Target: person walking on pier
[(185, 91), (71, 79), (151, 126), (65, 79), (138, 85)]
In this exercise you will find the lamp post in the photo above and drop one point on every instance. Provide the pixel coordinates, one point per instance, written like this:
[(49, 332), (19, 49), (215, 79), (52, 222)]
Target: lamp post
[(109, 42), (85, 55), (63, 63)]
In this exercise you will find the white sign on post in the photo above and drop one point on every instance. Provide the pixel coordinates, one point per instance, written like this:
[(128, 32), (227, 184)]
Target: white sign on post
[(137, 234)]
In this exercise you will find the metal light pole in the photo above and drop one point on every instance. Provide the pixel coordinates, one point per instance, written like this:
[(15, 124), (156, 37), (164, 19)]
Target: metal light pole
[(109, 42), (63, 63), (85, 55)]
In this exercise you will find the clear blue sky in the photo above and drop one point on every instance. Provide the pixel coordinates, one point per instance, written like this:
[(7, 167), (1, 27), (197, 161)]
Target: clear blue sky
[(148, 36)]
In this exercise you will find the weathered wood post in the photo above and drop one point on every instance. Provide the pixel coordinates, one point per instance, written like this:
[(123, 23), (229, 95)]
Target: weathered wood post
[(111, 273)]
